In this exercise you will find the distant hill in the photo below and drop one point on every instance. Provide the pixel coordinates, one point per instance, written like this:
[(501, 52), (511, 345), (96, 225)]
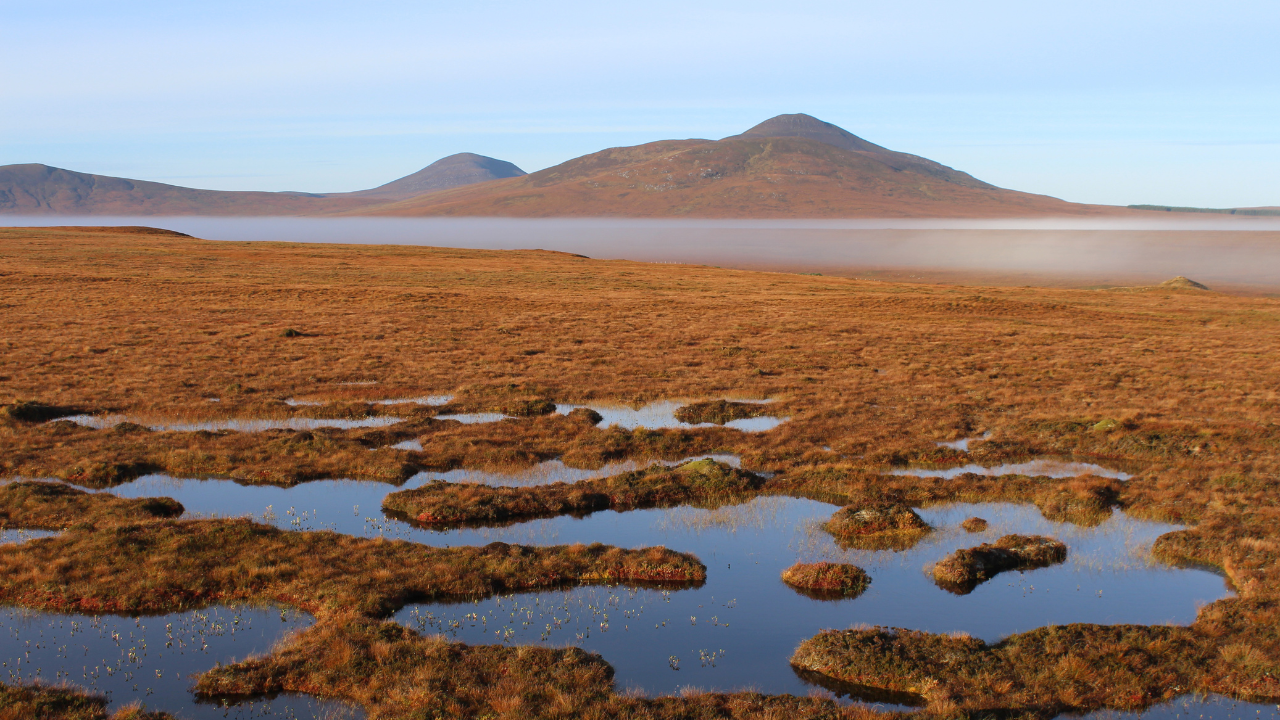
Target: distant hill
[(443, 174), (792, 166), (1261, 211), (34, 189)]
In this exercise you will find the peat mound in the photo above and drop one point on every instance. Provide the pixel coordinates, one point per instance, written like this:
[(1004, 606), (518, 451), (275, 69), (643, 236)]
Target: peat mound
[(966, 568), (40, 505), (700, 482), (718, 412), (877, 526), (827, 580)]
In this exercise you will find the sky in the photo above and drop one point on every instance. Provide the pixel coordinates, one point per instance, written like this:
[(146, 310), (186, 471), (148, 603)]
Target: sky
[(1110, 102)]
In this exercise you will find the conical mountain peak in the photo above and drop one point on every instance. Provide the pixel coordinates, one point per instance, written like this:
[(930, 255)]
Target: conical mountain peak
[(809, 127)]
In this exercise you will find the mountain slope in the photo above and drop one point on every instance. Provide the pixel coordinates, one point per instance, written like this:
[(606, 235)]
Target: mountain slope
[(807, 126), (34, 189), (450, 172), (793, 166), (42, 190)]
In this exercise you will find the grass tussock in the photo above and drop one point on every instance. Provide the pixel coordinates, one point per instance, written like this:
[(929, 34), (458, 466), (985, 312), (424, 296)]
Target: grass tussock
[(35, 505), (974, 524), (827, 580), (700, 482), (168, 566), (396, 673), (108, 457), (877, 526), (1043, 673), (46, 702), (719, 412), (966, 568)]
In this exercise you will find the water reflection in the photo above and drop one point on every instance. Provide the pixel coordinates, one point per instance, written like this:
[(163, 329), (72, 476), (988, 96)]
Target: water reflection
[(100, 422), (1199, 707), (739, 629), (475, 418), (963, 443), (431, 400), (152, 659), (16, 537), (1035, 468), (353, 507), (660, 415)]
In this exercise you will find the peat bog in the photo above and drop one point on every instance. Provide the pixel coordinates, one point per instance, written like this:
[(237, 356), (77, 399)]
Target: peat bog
[(1136, 428), (154, 659)]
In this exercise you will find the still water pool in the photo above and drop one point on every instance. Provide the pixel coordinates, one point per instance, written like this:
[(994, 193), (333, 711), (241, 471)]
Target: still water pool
[(152, 659), (739, 628)]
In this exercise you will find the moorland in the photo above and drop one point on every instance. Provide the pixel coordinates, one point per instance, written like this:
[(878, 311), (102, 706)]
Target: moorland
[(1176, 384)]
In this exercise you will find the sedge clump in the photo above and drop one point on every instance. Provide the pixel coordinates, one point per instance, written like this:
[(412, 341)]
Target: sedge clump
[(827, 579)]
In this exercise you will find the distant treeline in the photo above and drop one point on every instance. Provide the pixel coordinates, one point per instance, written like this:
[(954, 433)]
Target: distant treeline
[(1220, 211)]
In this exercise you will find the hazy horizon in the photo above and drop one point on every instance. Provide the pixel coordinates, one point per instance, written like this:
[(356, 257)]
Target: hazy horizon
[(1238, 254)]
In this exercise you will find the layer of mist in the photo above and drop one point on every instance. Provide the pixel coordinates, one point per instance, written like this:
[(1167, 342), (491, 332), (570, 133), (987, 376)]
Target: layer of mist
[(1223, 251)]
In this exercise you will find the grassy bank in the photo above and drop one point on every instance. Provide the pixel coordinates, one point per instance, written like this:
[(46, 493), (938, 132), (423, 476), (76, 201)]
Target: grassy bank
[(46, 702)]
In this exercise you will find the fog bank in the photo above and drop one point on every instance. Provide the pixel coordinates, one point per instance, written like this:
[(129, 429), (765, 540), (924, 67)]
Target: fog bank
[(1241, 252)]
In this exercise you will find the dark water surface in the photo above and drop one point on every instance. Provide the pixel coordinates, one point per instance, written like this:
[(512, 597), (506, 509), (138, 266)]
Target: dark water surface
[(739, 629), (99, 422), (1210, 707), (1034, 468), (663, 415), (21, 536), (152, 659)]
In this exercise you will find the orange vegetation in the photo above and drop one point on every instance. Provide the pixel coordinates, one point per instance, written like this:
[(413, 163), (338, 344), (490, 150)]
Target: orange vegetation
[(1179, 387)]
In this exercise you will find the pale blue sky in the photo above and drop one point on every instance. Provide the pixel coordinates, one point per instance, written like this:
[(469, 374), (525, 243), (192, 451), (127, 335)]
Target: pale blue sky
[(1112, 102)]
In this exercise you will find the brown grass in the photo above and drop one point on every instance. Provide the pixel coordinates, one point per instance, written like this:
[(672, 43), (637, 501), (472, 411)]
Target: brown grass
[(45, 702), (719, 411), (705, 483), (168, 566), (966, 568), (974, 524), (103, 458), (1041, 673), (395, 673), (826, 580), (1177, 387), (53, 506), (877, 525)]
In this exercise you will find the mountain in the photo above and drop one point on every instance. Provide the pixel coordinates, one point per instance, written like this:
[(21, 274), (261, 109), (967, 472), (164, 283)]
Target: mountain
[(807, 126), (453, 171), (792, 166), (42, 190), (34, 189)]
